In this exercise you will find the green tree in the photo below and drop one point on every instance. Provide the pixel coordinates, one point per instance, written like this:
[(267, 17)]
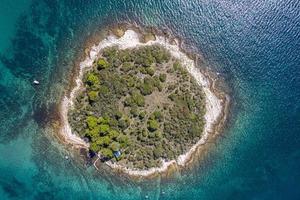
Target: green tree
[(134, 111), (107, 153), (138, 99), (162, 77), (92, 79), (161, 55), (127, 66), (177, 66), (128, 101), (145, 133), (158, 115), (94, 133), (142, 114), (130, 81), (104, 128), (150, 71), (91, 121), (153, 125), (146, 88), (106, 140), (113, 134), (158, 134), (102, 64), (103, 90), (123, 123), (110, 52), (103, 120), (94, 147), (93, 95)]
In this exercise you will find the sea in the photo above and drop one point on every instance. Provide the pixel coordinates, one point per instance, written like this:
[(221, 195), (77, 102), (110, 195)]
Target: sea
[(253, 46)]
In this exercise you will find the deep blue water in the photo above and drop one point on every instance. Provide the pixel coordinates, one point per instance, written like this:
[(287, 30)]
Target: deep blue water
[(254, 45)]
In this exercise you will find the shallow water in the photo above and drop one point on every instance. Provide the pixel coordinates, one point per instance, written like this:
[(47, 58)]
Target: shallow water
[(253, 45)]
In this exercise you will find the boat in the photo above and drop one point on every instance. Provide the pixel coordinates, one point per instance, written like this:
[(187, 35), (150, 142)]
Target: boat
[(35, 82)]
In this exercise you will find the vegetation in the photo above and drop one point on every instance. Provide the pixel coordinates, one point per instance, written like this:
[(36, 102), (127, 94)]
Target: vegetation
[(140, 102)]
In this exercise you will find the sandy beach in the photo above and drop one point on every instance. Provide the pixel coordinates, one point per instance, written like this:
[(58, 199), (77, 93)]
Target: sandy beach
[(214, 104)]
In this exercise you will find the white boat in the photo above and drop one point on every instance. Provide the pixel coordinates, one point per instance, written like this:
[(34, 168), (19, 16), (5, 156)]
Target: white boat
[(36, 82)]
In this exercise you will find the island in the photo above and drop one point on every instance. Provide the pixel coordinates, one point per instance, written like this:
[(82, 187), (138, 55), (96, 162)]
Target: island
[(140, 106)]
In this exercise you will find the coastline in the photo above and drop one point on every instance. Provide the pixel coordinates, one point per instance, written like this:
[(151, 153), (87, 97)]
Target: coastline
[(216, 105)]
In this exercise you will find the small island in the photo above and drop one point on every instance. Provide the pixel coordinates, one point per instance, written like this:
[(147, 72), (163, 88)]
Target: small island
[(141, 105)]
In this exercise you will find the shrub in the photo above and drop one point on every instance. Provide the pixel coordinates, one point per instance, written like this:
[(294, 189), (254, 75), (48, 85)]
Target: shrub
[(123, 124), (92, 79), (118, 115), (91, 121), (127, 66), (162, 77), (151, 135), (195, 131), (113, 134), (142, 70), (130, 81), (103, 90), (158, 115), (158, 134), (138, 99), (115, 146), (177, 65), (159, 87), (172, 97), (104, 128), (134, 111), (150, 71), (94, 147), (103, 120), (125, 56), (110, 52), (153, 125), (152, 116), (105, 140), (157, 152), (113, 122), (161, 55), (93, 95), (148, 86), (145, 133), (107, 153), (128, 101), (144, 59), (102, 64), (122, 139), (93, 133), (142, 115)]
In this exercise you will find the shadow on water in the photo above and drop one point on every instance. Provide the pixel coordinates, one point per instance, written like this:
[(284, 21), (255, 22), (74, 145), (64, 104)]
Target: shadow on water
[(27, 53), (14, 188)]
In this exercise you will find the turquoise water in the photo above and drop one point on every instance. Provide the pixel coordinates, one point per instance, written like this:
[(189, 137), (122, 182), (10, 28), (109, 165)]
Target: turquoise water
[(253, 45)]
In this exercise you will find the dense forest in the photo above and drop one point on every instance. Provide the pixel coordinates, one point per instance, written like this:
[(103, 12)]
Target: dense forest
[(140, 103)]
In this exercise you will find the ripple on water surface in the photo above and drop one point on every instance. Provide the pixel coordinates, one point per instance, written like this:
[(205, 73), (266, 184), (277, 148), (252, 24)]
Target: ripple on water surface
[(253, 44)]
